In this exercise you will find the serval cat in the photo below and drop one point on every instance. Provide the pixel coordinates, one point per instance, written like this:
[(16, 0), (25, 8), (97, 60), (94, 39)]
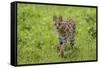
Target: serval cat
[(66, 30)]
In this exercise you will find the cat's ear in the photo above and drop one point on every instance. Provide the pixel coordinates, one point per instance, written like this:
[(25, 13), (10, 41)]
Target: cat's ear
[(60, 18), (54, 18)]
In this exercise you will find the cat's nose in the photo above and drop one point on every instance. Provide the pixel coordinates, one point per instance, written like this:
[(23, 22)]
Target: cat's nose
[(57, 27)]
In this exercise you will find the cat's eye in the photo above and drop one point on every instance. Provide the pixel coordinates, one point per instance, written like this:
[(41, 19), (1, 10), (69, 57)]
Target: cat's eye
[(54, 23), (59, 23)]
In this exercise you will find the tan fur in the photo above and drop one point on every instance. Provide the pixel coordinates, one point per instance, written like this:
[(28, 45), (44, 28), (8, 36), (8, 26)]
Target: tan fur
[(66, 29)]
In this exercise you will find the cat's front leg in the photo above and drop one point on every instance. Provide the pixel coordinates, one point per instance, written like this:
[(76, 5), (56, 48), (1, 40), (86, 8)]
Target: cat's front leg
[(62, 51)]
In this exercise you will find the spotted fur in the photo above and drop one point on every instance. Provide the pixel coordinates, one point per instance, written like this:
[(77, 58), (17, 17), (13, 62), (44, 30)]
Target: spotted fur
[(66, 30)]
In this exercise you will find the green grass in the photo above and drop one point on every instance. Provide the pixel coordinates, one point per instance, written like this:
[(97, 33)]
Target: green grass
[(38, 38)]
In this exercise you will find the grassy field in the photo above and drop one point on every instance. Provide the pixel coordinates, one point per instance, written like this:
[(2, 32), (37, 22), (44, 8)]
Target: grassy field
[(38, 38)]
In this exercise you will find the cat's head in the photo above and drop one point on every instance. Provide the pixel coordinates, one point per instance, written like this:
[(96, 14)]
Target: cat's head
[(57, 21)]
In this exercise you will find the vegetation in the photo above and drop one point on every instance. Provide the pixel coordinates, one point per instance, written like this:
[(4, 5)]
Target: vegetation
[(38, 38)]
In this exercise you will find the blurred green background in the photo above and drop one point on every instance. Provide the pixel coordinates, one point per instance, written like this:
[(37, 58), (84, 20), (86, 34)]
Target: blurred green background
[(38, 37)]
